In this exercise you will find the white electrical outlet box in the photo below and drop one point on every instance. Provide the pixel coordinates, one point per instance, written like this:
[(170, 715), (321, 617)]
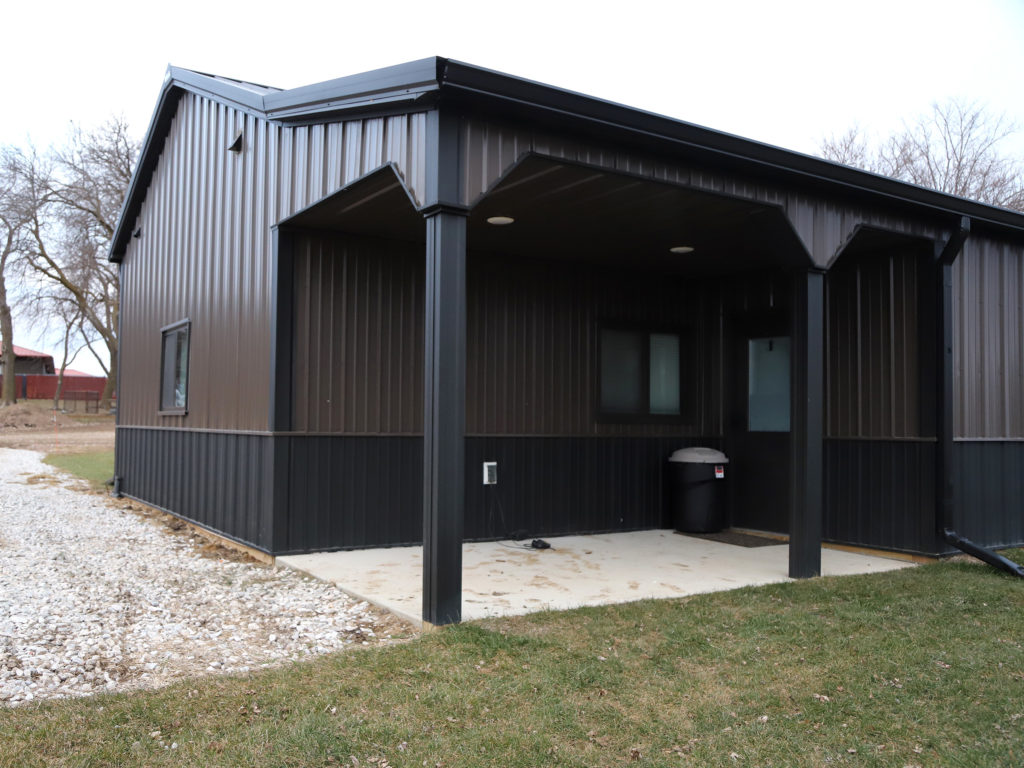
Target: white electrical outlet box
[(490, 473)]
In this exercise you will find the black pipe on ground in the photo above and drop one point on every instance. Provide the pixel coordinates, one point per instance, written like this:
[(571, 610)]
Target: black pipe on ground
[(990, 557)]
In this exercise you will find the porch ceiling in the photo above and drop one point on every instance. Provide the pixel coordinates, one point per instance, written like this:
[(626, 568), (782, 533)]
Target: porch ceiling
[(570, 211), (574, 212), (376, 205)]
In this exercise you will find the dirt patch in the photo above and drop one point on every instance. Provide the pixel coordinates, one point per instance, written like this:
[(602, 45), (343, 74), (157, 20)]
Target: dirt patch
[(34, 425), (31, 416)]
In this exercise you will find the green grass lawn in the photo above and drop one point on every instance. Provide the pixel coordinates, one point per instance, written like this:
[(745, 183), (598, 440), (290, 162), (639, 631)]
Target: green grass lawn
[(97, 467), (921, 667)]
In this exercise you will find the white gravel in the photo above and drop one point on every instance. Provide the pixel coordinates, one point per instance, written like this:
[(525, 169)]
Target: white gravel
[(94, 597)]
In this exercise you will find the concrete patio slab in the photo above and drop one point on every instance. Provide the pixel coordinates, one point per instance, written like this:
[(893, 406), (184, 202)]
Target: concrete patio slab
[(504, 578)]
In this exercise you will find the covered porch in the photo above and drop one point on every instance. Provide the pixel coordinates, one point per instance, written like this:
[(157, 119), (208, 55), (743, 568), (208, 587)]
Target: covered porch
[(526, 293), (506, 578)]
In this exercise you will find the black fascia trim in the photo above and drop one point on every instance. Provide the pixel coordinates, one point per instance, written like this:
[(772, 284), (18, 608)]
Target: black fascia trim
[(404, 104), (399, 82), (159, 125), (210, 85), (176, 82), (540, 98), (351, 94)]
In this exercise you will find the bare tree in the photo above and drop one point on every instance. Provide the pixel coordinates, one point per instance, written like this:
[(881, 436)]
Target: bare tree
[(956, 148), (75, 195), (72, 320), (11, 223)]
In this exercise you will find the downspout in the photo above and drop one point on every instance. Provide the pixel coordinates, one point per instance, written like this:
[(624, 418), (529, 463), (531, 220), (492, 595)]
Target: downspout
[(944, 510), (944, 379), (987, 555)]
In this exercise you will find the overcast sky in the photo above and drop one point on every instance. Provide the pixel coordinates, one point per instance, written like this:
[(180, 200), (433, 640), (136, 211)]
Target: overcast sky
[(786, 72)]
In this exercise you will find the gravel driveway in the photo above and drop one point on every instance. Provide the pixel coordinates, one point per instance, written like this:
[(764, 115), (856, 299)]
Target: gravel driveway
[(95, 597)]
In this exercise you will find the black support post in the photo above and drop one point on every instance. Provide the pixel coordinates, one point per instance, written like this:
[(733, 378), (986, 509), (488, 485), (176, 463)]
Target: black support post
[(274, 505), (806, 435), (444, 415), (281, 331), (945, 256)]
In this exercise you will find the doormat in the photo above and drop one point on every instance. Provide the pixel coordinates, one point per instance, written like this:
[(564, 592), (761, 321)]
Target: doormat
[(736, 539)]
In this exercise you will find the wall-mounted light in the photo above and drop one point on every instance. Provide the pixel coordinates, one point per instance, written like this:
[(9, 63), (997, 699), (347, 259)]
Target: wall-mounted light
[(137, 233), (236, 145), (500, 221), (681, 249)]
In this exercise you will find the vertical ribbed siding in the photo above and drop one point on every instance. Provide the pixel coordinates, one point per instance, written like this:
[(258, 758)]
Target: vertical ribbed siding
[(221, 481), (988, 349), (205, 249), (989, 491), (872, 358), (531, 341), (881, 493), (348, 492), (358, 346), (490, 148), (532, 345)]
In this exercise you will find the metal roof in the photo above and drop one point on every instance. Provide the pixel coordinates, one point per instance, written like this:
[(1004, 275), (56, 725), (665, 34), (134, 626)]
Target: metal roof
[(420, 84), (23, 352)]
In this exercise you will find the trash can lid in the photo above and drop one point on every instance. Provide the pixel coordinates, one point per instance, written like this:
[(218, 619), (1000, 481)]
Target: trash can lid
[(699, 456)]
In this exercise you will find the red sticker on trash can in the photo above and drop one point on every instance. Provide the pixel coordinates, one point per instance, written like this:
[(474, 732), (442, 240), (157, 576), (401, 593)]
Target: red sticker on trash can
[(719, 472)]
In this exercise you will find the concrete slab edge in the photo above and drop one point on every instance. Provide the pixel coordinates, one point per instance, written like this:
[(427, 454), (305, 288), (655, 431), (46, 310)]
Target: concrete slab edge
[(416, 621)]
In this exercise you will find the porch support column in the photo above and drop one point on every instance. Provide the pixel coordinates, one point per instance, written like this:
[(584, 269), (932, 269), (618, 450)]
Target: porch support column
[(945, 257), (444, 413), (806, 435)]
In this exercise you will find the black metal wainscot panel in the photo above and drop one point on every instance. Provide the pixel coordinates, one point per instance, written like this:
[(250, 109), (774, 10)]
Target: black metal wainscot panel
[(561, 485), (881, 493), (352, 491), (989, 491), (220, 480)]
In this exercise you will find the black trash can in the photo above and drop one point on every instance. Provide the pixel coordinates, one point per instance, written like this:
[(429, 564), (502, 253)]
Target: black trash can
[(697, 490)]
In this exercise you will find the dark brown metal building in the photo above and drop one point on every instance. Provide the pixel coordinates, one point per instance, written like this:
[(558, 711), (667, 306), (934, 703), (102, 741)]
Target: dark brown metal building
[(326, 330)]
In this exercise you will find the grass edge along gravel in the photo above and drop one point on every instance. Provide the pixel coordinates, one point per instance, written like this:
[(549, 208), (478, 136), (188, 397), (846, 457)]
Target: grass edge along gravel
[(95, 467), (917, 667)]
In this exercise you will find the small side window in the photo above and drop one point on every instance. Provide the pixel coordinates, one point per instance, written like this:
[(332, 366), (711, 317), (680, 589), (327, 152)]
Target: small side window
[(174, 368), (640, 374)]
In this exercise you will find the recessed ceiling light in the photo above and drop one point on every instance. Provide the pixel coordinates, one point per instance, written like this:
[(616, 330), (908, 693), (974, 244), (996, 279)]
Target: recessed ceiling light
[(681, 249), (499, 221)]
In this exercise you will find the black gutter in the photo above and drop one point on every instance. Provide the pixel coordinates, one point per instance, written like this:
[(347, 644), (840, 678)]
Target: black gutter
[(987, 555)]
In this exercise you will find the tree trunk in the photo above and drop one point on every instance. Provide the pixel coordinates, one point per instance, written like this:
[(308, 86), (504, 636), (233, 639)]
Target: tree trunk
[(108, 388), (8, 396), (60, 388)]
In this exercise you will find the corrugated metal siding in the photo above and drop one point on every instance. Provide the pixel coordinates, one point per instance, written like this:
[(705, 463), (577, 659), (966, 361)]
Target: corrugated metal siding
[(552, 486), (871, 381), (532, 346), (490, 147), (881, 493), (358, 347), (988, 334), (356, 491), (531, 341), (205, 251), (350, 492), (219, 480), (989, 491)]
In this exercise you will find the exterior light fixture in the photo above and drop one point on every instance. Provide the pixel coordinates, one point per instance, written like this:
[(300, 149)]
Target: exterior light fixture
[(500, 221), (681, 249)]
